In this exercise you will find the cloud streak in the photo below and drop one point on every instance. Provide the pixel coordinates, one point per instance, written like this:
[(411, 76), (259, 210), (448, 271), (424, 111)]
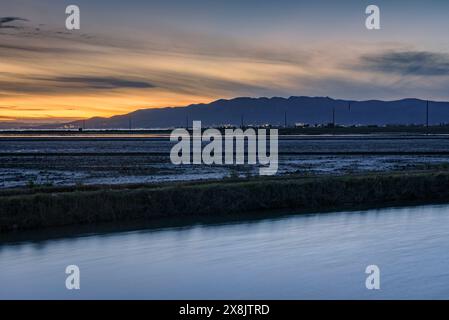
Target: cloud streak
[(419, 63), (101, 83), (5, 20), (103, 69), (69, 85)]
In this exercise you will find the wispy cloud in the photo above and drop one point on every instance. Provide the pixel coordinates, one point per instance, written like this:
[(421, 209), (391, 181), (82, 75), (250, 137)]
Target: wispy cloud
[(9, 108), (4, 22), (419, 63), (64, 85), (104, 69), (100, 82)]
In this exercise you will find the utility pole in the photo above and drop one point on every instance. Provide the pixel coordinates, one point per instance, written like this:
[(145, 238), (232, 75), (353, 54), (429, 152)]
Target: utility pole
[(241, 121), (349, 109), (187, 122), (285, 119), (333, 116), (129, 120), (427, 117)]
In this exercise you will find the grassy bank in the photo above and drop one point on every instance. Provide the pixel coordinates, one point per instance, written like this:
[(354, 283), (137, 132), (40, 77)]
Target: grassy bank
[(50, 207)]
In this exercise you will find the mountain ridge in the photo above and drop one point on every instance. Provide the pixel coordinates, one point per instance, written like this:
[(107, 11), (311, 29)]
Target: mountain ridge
[(275, 110)]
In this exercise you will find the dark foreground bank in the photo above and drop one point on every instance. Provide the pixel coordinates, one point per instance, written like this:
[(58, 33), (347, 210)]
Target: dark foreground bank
[(50, 207)]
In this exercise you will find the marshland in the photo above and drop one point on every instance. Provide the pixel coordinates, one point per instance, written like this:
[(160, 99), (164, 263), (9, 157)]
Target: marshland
[(114, 202), (54, 179)]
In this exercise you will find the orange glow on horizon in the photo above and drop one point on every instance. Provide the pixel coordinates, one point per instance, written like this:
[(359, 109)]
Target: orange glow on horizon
[(84, 107)]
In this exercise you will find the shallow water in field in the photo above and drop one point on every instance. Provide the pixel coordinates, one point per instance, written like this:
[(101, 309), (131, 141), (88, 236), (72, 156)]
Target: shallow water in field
[(315, 256), (112, 160)]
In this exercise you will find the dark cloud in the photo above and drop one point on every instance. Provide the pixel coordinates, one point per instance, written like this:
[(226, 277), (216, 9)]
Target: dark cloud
[(5, 20), (58, 85), (103, 82), (420, 63)]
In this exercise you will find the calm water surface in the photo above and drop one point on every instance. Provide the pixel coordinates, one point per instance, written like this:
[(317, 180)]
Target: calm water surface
[(312, 256)]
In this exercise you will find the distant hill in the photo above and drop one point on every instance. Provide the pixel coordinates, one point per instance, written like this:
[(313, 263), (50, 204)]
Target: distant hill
[(12, 125), (311, 110)]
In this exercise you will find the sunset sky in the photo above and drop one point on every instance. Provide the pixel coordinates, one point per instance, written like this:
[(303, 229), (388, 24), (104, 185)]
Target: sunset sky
[(135, 54)]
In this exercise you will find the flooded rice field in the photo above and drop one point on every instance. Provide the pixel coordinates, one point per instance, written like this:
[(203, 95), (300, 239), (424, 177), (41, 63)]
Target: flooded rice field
[(59, 160)]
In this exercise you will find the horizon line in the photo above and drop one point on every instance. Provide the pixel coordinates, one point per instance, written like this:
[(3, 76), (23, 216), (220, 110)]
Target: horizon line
[(68, 120)]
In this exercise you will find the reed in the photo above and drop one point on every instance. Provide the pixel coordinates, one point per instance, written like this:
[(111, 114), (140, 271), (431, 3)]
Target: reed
[(42, 207)]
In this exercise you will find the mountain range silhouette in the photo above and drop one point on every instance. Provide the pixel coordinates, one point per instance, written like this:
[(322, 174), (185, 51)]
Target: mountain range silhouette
[(274, 111)]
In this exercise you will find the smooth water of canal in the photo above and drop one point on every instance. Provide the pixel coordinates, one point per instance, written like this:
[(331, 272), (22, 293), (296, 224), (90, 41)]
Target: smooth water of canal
[(314, 256)]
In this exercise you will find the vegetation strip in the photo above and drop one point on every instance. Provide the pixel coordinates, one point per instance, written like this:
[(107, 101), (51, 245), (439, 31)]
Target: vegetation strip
[(51, 207)]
